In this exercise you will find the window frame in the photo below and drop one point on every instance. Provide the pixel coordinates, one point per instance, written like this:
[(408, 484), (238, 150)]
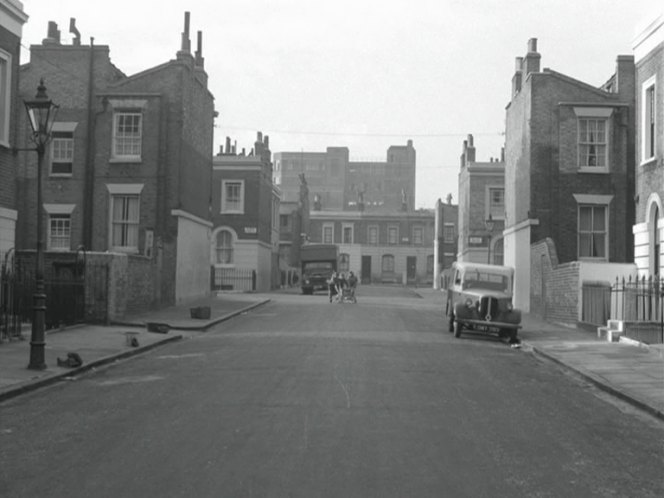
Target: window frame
[(449, 229), (52, 217), (125, 191), (387, 258), (392, 229), (596, 114), (224, 209), (373, 230), (6, 66), (350, 227), (132, 157), (68, 136), (230, 249), (648, 139), (327, 228), (497, 212), (584, 145), (418, 241)]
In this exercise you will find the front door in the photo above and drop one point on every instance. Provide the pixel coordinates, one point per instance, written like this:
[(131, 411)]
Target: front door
[(411, 269), (366, 270)]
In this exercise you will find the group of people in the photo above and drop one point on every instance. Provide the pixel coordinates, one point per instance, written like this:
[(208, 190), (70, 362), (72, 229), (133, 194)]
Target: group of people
[(338, 282)]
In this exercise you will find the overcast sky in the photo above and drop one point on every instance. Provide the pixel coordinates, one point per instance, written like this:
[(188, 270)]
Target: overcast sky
[(364, 74)]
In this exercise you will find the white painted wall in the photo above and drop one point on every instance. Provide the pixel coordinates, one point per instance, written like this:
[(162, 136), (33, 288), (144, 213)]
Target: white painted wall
[(517, 255), (192, 276), (590, 271)]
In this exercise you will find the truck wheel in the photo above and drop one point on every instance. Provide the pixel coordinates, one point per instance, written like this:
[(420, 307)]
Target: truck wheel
[(450, 324), (457, 329)]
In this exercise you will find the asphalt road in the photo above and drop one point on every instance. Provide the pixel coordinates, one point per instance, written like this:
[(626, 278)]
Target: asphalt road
[(302, 398)]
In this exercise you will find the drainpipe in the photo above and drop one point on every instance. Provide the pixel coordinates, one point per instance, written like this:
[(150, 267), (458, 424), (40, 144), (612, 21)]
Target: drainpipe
[(88, 192)]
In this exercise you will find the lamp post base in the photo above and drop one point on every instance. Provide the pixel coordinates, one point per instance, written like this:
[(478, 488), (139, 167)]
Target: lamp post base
[(37, 356)]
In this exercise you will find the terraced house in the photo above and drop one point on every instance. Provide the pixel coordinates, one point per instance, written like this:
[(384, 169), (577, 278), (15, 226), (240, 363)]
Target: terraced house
[(128, 173)]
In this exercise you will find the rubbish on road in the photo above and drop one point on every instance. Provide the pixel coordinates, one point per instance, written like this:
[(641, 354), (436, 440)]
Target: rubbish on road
[(200, 312), (73, 360), (131, 339), (161, 328)]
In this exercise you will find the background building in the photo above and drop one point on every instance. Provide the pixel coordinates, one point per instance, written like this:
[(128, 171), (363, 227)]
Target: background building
[(481, 207), (380, 247), (245, 215), (338, 184)]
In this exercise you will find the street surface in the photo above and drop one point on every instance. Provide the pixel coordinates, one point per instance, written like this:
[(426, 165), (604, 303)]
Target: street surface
[(302, 398)]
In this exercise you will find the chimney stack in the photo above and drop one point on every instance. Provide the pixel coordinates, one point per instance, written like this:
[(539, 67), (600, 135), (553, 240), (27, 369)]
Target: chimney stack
[(518, 75), (73, 30), (532, 59), (52, 35)]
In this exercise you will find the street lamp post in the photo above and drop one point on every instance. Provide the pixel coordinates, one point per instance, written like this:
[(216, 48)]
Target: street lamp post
[(41, 115), (489, 223)]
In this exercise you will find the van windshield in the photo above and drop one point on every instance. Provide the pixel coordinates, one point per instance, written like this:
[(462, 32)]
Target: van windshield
[(476, 279)]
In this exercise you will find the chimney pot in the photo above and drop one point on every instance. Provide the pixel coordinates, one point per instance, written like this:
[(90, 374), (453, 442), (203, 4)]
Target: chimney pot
[(532, 45)]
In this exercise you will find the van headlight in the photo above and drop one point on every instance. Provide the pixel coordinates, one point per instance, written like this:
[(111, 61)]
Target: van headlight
[(509, 306), (469, 303)]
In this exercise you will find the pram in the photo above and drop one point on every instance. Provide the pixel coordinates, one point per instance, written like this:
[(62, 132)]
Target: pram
[(347, 295)]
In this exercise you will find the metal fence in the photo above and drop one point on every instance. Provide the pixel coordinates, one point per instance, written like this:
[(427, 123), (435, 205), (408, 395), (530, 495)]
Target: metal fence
[(238, 279), (638, 300), (76, 291)]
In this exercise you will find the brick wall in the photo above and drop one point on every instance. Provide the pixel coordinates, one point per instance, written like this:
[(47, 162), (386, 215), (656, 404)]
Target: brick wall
[(554, 287)]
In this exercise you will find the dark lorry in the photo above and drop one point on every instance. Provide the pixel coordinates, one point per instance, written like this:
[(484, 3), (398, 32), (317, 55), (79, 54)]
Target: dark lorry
[(318, 263)]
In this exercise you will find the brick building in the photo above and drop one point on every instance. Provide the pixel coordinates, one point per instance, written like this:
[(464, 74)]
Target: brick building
[(649, 227), (569, 166), (12, 19), (245, 216), (338, 184), (481, 207), (380, 247), (129, 167), (293, 227)]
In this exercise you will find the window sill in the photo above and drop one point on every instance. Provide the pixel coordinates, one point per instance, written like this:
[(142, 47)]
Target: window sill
[(125, 250), (649, 161), (231, 212), (125, 160), (60, 175), (594, 170)]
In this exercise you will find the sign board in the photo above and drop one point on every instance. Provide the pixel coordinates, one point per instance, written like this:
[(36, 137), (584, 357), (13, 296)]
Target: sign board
[(250, 230)]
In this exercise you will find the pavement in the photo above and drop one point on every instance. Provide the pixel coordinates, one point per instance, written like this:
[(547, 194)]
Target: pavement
[(99, 345), (628, 370)]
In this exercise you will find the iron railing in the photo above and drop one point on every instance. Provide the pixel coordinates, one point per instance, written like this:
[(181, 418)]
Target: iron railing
[(233, 279)]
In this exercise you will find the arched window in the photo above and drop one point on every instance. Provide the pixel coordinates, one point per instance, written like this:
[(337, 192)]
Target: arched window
[(655, 237), (224, 247), (387, 264)]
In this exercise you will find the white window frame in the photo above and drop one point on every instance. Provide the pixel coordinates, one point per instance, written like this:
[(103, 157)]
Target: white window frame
[(344, 227), (593, 201), (230, 250), (392, 229), (373, 229), (132, 139), (58, 211), (124, 190), (418, 241), (597, 114), (391, 266), (497, 213), (448, 228), (67, 129), (327, 228), (5, 96), (646, 140), (226, 207)]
